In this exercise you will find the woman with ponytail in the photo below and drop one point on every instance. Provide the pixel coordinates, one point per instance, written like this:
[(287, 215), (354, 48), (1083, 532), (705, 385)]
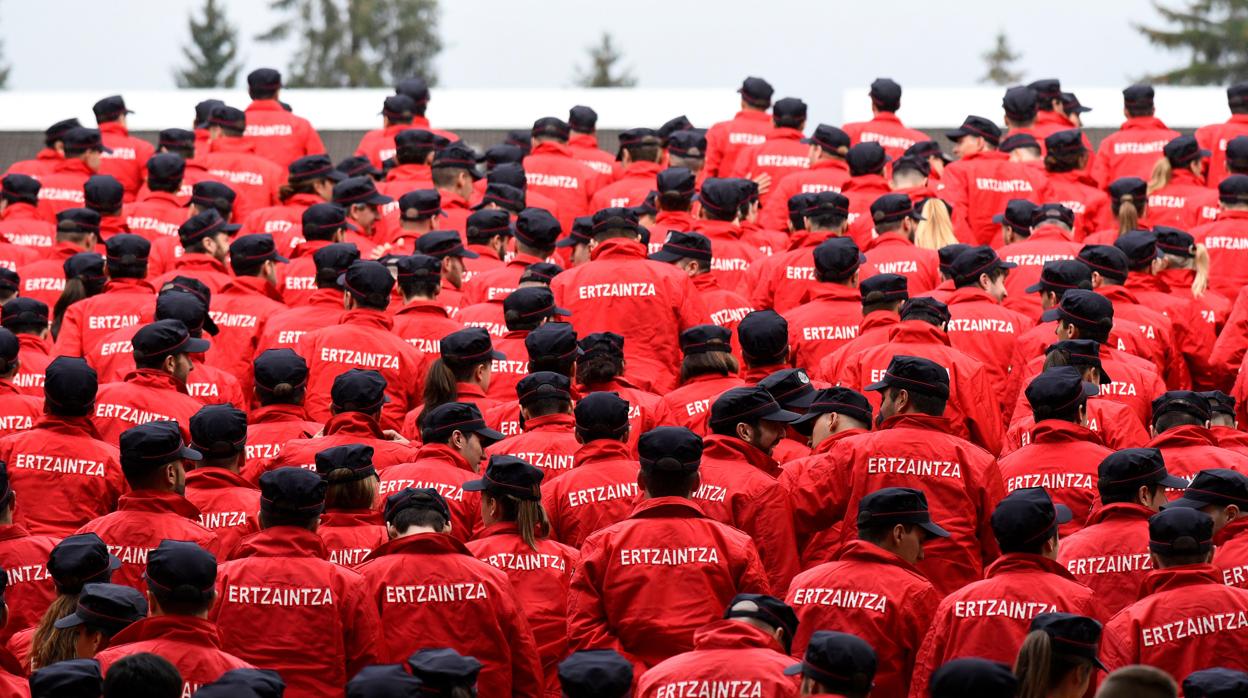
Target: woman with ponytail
[(936, 229), (310, 180), (515, 534), (461, 374), (1183, 266), (281, 380), (351, 526), (75, 562), (1058, 656), (1177, 195), (85, 276), (1128, 202)]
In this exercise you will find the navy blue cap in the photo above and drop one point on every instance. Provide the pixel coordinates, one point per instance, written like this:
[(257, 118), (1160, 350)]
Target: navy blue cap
[(460, 156), (366, 279), (976, 126), (20, 187), (204, 224), (1218, 682), (385, 681), (913, 163), (688, 143), (602, 343), (768, 609), (764, 336), (1047, 88), (106, 607), (1233, 189), (337, 257), (596, 674), (240, 683), (670, 449), (533, 302), (884, 287), (69, 381), (419, 497), (898, 505), (1019, 103), (358, 165), (278, 367), (967, 266), (1027, 517), (468, 346), (1219, 402), (553, 340), (700, 339), (103, 192), (358, 390), (505, 196), (1183, 150), (838, 258), (1132, 468), (68, 678), (1215, 486), (166, 337), (1084, 309), (181, 570), (80, 559), (1237, 153), (1059, 388), (675, 124), (550, 126), (1018, 215), (486, 223), (151, 445), (680, 245), (8, 279), (214, 194), (602, 412), (1045, 213), (203, 111), (838, 400), (866, 158), (1138, 95), (219, 430), (509, 476), (361, 191), (1180, 531), (840, 662), (78, 220), (790, 387), (127, 248), (323, 220), (1082, 353), (634, 137), (885, 94), (756, 91), (1132, 188), (1071, 635), (1173, 241), (973, 676), (420, 204), (582, 118), (264, 79), (294, 491), (415, 87), (443, 669), (1140, 247), (830, 138), (167, 167), (788, 108), (10, 347), (443, 243), (916, 374), (87, 266), (23, 311), (928, 149), (891, 208), (748, 403), (721, 196), (252, 250), (79, 140), (418, 266), (1186, 401), (1068, 142), (400, 108), (543, 385), (608, 219), (681, 180), (188, 308), (1062, 275), (438, 424)]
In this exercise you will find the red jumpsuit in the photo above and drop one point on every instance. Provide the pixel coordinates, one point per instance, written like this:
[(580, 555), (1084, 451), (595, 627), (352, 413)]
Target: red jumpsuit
[(62, 188), (1226, 238), (689, 405), (156, 214), (782, 154), (278, 134), (228, 505), (726, 139), (192, 645), (1189, 449), (1110, 555), (35, 356), (828, 319), (829, 174), (144, 395), (1214, 138), (1063, 458), (254, 178), (635, 182), (240, 311), (351, 535), (728, 657), (551, 169), (894, 253), (598, 491), (24, 557), (887, 130), (270, 427), (980, 185), (982, 328), (1047, 243), (128, 161), (1114, 423), (283, 329), (442, 468), (547, 443), (1132, 150), (1184, 203), (22, 224)]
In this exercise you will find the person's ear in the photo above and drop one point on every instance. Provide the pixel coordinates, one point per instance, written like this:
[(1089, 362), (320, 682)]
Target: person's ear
[(744, 431), (1232, 512)]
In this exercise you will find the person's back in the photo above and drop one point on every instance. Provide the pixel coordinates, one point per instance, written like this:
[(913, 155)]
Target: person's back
[(120, 305), (1215, 137), (279, 583), (884, 127), (983, 180), (278, 135), (233, 159), (1133, 149), (726, 139), (1181, 433), (551, 169), (978, 324), (649, 303)]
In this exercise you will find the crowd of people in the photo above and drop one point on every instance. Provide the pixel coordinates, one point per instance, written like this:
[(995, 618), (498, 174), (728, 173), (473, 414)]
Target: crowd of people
[(768, 408)]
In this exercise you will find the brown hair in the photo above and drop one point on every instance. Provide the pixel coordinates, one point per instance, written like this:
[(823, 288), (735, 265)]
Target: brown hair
[(528, 515), (1038, 668), (349, 491), (50, 645)]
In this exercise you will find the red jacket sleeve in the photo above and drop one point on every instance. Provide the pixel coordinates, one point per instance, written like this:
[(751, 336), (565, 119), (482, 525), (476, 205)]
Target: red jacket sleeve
[(956, 194), (587, 613), (931, 652), (753, 578), (1100, 165), (363, 624), (818, 493), (983, 417), (312, 144), (1228, 350), (1117, 647), (69, 339), (715, 138), (916, 619), (691, 309), (770, 517)]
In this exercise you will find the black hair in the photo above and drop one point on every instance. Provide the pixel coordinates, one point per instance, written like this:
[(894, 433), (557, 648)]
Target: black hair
[(442, 378), (246, 267), (668, 483), (993, 275), (599, 368), (1068, 414), (261, 93), (892, 305), (709, 362), (413, 154), (1064, 162), (271, 519), (890, 227), (1175, 418), (647, 152), (730, 428), (547, 406), (825, 221), (143, 674), (181, 607), (1118, 495), (1180, 560), (674, 201), (515, 321), (281, 394), (1031, 547), (444, 177), (303, 186), (419, 516), (876, 534), (1100, 334), (923, 402), (419, 285)]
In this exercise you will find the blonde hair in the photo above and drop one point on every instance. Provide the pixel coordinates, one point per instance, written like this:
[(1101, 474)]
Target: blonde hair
[(936, 231), (1128, 214), (1199, 262), (1163, 172)]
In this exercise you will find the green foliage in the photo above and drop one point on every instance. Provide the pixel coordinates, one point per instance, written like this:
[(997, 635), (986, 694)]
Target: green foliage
[(1000, 62), (601, 71), (1213, 32), (358, 43), (212, 52)]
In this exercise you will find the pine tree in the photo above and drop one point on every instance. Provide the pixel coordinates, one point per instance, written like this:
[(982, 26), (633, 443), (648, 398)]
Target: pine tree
[(1215, 32), (1000, 62), (212, 52), (602, 67), (358, 43)]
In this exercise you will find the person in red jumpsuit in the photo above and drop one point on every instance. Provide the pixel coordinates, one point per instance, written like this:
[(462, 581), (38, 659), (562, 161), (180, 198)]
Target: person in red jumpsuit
[(1110, 554), (1067, 184), (284, 328), (640, 155), (726, 139), (57, 502), (62, 187), (836, 664), (227, 503), (277, 134), (978, 324), (477, 614), (536, 233), (128, 155), (747, 649), (692, 253), (245, 304), (1177, 195), (524, 310), (1225, 239), (234, 159), (983, 180), (350, 527), (414, 150), (1215, 137), (872, 587), (53, 151), (1174, 626), (180, 142), (1026, 577), (1180, 429), (322, 225), (418, 90), (707, 369), (271, 634), (21, 222), (583, 142), (422, 321), (703, 563), (1223, 495), (1224, 421), (884, 127), (181, 582), (553, 170), (1034, 236), (832, 311), (548, 441), (159, 211), (205, 239), (77, 230), (783, 153), (280, 380), (1135, 147), (827, 172), (378, 145)]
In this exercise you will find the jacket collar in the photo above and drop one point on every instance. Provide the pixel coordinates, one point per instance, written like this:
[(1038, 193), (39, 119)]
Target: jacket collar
[(444, 454), (189, 630), (1188, 435), (868, 182), (830, 291), (752, 115), (1059, 431), (1186, 177), (785, 133), (918, 332), (1014, 563), (1144, 282), (152, 378), (157, 502), (367, 317), (73, 166), (730, 448), (265, 105), (470, 390), (350, 518), (30, 342), (19, 211), (643, 169), (733, 635), (270, 414), (164, 197), (200, 260), (1230, 214), (753, 374), (719, 230), (1142, 122), (551, 148), (985, 155), (705, 282), (499, 528), (601, 451), (583, 140), (282, 541), (618, 248), (421, 306), (353, 424), (252, 286), (421, 544), (210, 478), (1178, 577), (551, 423), (127, 285), (862, 551), (830, 164), (11, 531), (970, 294), (895, 237), (879, 318), (1234, 529), (675, 220), (827, 444), (671, 507), (231, 144), (410, 171), (1050, 232), (76, 426), (1119, 511), (307, 248), (917, 421)]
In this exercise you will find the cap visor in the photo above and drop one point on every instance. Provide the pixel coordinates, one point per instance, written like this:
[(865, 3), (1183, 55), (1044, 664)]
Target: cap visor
[(571, 242), (808, 141), (1091, 389), (1002, 264), (561, 311), (336, 176), (473, 486), (197, 345), (805, 425), (210, 326), (1050, 315), (490, 434), (1185, 503), (801, 402), (70, 621), (781, 415), (1064, 514), (279, 258), (1097, 663), (663, 256), (468, 254), (999, 218), (114, 562), (954, 135), (231, 228), (877, 386), (379, 200), (1205, 153), (1105, 379), (1034, 288), (793, 669), (105, 149), (934, 530), (475, 173), (189, 453), (1173, 482), (497, 355)]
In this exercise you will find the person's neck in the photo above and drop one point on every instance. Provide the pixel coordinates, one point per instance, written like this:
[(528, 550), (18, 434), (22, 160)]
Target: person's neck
[(418, 297), (417, 227), (521, 248), (415, 531)]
